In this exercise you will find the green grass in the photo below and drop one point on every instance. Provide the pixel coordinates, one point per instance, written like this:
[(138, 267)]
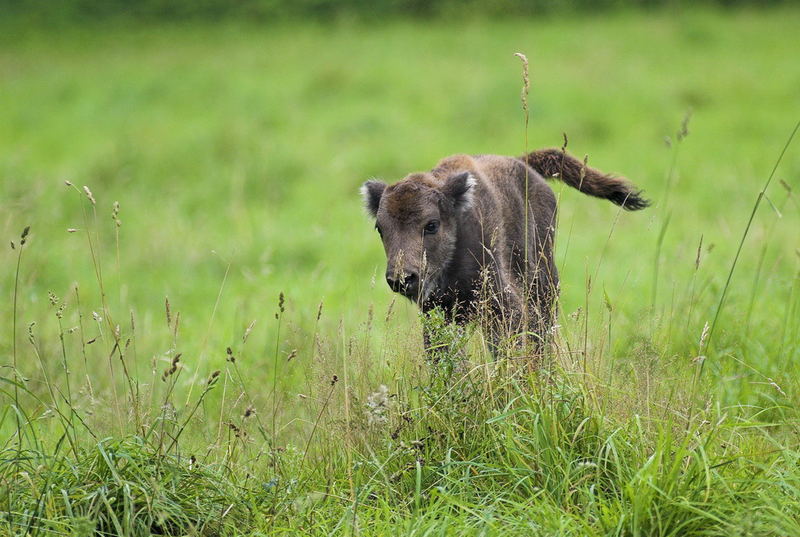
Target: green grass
[(236, 153)]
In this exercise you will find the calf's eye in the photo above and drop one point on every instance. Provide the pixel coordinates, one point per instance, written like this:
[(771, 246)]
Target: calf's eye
[(378, 229), (431, 227)]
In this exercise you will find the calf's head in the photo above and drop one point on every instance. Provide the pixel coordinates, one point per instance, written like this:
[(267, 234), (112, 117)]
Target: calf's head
[(417, 219)]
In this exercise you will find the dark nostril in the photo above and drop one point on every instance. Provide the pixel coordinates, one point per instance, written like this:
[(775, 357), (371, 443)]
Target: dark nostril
[(402, 281)]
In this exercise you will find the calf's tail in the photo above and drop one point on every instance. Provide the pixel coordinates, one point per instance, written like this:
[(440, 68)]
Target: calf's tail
[(556, 163)]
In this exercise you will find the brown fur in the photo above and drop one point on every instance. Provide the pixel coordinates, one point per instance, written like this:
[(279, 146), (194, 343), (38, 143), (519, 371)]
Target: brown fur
[(455, 237), (558, 164)]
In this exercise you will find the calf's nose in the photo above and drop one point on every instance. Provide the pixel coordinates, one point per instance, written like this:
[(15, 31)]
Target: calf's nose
[(400, 282)]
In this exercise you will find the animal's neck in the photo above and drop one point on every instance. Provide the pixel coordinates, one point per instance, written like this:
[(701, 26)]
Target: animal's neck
[(458, 283)]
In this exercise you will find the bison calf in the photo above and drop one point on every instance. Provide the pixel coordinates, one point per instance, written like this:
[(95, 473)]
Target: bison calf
[(463, 238)]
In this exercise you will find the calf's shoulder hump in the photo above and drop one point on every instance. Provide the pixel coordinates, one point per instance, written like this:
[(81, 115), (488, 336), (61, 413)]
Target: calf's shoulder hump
[(455, 164)]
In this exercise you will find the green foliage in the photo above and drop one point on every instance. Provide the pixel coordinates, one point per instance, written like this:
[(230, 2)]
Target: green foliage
[(119, 487)]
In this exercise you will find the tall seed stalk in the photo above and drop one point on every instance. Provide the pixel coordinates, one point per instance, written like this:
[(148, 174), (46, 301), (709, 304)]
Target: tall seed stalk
[(760, 196), (22, 240), (526, 86)]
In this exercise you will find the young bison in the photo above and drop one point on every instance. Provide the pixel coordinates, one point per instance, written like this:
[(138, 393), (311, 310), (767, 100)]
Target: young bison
[(456, 237)]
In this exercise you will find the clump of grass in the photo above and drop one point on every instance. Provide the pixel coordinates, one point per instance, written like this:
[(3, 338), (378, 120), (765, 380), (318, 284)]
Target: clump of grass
[(123, 487)]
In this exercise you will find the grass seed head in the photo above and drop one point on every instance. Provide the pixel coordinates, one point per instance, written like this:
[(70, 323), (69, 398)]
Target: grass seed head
[(115, 214), (526, 82), (389, 310), (89, 195), (699, 252), (582, 174), (248, 330), (684, 130), (172, 368), (775, 385), (237, 431), (703, 336), (213, 378)]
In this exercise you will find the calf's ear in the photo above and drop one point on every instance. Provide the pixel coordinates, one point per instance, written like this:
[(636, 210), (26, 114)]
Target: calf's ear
[(460, 189), (372, 191)]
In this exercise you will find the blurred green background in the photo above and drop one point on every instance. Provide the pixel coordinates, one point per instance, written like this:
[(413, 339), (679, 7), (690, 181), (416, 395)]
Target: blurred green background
[(236, 149), (270, 10)]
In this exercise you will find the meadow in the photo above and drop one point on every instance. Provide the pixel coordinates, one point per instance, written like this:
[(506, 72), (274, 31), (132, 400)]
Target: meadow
[(197, 338)]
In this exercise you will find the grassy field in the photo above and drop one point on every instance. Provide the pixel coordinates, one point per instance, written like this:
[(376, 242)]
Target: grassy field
[(219, 355)]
